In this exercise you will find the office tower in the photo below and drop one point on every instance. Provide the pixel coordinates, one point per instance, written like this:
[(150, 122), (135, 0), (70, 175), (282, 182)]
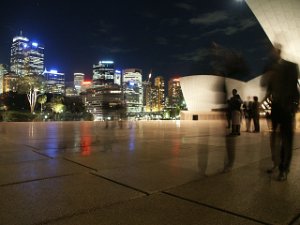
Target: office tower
[(147, 96), (18, 54), (103, 73), (158, 97), (133, 90), (35, 59), (117, 77), (26, 57), (105, 102), (174, 92), (78, 80), (175, 98), (55, 82)]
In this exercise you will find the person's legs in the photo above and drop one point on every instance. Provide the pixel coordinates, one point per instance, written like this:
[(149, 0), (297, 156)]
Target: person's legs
[(287, 134), (274, 145), (256, 124), (248, 122)]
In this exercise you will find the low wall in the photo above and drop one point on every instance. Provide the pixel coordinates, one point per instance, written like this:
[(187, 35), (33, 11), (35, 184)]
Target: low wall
[(194, 115)]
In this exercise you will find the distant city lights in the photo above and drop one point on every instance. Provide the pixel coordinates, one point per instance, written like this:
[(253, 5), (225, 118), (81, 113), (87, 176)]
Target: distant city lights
[(35, 44), (53, 71)]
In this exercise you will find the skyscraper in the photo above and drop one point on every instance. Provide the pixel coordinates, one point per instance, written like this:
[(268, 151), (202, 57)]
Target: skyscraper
[(26, 57), (18, 54), (55, 81), (174, 92), (35, 58), (158, 94), (103, 73), (78, 80), (133, 90)]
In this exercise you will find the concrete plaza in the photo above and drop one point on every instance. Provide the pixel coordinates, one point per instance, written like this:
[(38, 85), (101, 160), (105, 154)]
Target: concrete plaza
[(144, 172)]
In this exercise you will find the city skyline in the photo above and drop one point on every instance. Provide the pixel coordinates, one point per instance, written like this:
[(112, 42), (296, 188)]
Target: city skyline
[(169, 38)]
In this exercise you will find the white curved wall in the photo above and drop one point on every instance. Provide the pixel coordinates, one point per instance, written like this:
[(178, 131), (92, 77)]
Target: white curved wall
[(280, 20), (202, 93)]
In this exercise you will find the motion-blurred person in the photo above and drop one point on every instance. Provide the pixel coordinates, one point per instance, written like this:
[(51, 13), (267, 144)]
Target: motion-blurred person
[(281, 79), (228, 115), (255, 114), (235, 103), (247, 108)]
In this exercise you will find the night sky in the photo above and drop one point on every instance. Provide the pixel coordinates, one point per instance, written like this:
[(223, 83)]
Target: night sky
[(168, 37)]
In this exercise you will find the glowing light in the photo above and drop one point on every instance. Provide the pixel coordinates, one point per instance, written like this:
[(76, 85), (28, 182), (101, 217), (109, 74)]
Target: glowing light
[(53, 71), (150, 75), (34, 44), (20, 38), (131, 83), (118, 71), (107, 62)]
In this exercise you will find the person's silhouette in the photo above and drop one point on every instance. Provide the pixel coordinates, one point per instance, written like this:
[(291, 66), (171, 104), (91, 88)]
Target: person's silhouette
[(280, 80)]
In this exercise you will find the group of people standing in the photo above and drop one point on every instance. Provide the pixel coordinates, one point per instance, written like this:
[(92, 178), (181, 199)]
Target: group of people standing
[(280, 80), (237, 109)]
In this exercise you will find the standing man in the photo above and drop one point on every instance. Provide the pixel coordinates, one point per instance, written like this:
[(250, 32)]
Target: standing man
[(235, 104), (255, 114), (281, 79)]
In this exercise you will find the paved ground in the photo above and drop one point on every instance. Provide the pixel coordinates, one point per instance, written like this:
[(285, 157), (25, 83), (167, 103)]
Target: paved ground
[(147, 172)]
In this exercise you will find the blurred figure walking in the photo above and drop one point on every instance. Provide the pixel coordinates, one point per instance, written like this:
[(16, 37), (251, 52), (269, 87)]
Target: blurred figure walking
[(280, 80)]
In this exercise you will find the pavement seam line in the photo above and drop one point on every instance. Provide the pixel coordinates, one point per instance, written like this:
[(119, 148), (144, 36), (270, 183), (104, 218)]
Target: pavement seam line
[(80, 164), (37, 151), (122, 184), (84, 212), (39, 179), (215, 208)]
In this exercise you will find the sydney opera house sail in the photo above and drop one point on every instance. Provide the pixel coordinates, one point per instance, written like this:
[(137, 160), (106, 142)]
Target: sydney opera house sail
[(280, 19)]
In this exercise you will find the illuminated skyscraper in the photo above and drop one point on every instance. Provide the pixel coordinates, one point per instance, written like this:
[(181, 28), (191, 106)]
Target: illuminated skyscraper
[(105, 102), (35, 58), (158, 94), (147, 96), (78, 80), (55, 81), (133, 90), (174, 92), (18, 54), (103, 73), (26, 57)]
